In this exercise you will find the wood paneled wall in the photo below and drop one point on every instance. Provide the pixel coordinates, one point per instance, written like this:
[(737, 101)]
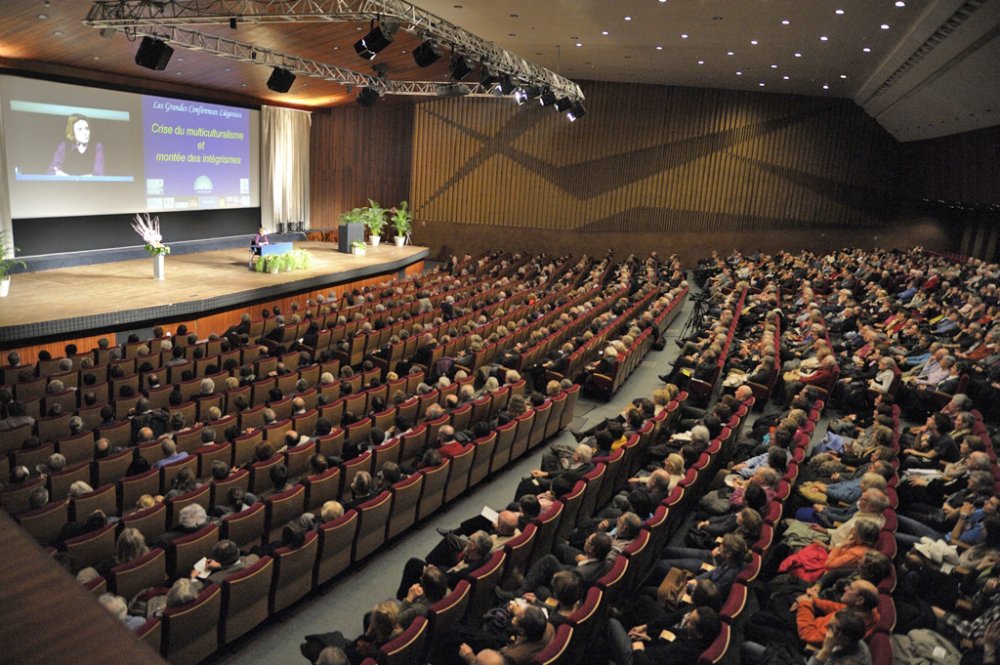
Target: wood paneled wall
[(357, 154), (653, 159)]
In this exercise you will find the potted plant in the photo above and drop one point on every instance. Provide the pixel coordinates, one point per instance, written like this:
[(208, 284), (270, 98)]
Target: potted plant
[(374, 216), (7, 263), (274, 264), (358, 248), (402, 222)]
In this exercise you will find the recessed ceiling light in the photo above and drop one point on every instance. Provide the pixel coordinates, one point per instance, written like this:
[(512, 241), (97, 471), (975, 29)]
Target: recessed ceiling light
[(730, 53), (866, 50), (900, 3), (843, 76), (774, 66), (761, 84), (243, 85), (659, 48), (798, 55), (579, 44), (57, 33), (739, 73), (884, 26), (42, 17), (701, 62), (336, 48), (785, 21), (604, 32), (753, 42), (838, 12), (826, 87), (684, 36), (628, 18), (785, 77), (824, 38), (97, 57)]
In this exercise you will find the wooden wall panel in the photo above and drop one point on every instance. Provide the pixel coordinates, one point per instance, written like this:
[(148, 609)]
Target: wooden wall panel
[(657, 159), (357, 154)]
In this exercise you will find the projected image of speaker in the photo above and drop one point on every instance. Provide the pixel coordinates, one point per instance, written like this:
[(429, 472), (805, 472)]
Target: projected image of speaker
[(281, 80), (153, 54)]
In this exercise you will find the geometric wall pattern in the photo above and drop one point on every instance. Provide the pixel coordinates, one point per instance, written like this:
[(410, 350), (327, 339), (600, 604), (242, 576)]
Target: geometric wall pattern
[(653, 158)]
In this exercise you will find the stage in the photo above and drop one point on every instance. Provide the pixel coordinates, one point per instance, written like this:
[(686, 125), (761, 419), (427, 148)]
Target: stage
[(65, 301)]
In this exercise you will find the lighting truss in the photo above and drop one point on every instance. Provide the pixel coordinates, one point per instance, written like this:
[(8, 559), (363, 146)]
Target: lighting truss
[(176, 21)]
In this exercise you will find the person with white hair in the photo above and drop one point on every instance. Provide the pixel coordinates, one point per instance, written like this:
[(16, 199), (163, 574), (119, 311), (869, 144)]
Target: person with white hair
[(119, 610), (191, 519)]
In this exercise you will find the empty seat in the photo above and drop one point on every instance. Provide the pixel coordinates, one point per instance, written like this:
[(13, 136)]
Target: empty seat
[(406, 496), (372, 518)]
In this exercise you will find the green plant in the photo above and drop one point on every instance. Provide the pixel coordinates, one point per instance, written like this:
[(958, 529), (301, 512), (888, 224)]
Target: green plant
[(300, 259), (7, 264), (259, 264), (374, 216), (355, 216), (357, 245), (157, 250), (401, 219)]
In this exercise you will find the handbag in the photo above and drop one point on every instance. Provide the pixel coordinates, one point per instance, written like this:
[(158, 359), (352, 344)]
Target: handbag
[(672, 587)]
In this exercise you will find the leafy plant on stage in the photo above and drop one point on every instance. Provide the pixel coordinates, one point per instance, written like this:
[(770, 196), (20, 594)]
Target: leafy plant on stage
[(297, 259), (148, 229), (355, 216), (358, 247), (301, 259), (8, 263), (260, 265), (374, 216), (402, 221)]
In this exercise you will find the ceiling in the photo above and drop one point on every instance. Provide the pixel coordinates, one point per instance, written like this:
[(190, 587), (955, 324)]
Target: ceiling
[(922, 68)]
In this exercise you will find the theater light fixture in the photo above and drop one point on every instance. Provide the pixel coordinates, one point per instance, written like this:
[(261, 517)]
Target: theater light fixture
[(367, 97), (576, 112), (153, 54), (486, 77), (505, 85), (459, 68), (532, 92), (281, 80), (548, 98), (425, 55), (520, 96), (564, 104), (375, 41)]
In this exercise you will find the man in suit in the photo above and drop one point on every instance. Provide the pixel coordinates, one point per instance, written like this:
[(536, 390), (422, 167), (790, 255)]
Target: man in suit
[(224, 561)]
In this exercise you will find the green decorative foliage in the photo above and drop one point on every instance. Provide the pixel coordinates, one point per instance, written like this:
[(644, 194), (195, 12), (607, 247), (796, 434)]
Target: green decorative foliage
[(8, 264)]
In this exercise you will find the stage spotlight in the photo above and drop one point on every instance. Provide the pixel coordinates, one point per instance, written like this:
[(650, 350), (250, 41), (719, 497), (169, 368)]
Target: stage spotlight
[(505, 85), (281, 80), (548, 97), (425, 55), (564, 104), (520, 96), (377, 39), (532, 92), (153, 54), (367, 97), (576, 112), (459, 68), (486, 77)]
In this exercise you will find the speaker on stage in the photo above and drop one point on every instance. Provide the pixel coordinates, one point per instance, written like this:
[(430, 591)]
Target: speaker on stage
[(348, 233), (153, 54)]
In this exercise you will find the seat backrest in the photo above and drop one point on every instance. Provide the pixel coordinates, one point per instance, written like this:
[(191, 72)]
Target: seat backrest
[(185, 551), (524, 424), (45, 523), (245, 599), (407, 648), (151, 522), (190, 632), (245, 528), (518, 550), (201, 496), (548, 526), (336, 540), (59, 483), (322, 487), (282, 508), (538, 427), (432, 496), (556, 652), (458, 475), (149, 570), (372, 517), (92, 548), (293, 573), (103, 498), (717, 650), (406, 496), (484, 580), (594, 479), (485, 447)]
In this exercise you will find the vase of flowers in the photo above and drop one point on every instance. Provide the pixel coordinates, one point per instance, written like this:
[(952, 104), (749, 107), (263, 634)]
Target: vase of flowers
[(148, 229)]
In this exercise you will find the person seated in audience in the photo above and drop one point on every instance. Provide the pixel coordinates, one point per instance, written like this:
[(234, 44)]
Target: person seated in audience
[(224, 560), (192, 518), (362, 489), (663, 643), (539, 576), (531, 633), (170, 453), (580, 464), (182, 483)]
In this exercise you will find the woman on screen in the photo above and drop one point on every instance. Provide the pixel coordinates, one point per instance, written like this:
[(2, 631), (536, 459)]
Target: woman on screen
[(75, 154)]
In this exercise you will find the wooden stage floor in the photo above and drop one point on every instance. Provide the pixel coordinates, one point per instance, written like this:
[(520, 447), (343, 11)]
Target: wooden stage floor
[(66, 300)]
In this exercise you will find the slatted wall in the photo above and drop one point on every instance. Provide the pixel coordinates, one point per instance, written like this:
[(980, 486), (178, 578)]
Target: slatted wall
[(357, 154), (653, 158)]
